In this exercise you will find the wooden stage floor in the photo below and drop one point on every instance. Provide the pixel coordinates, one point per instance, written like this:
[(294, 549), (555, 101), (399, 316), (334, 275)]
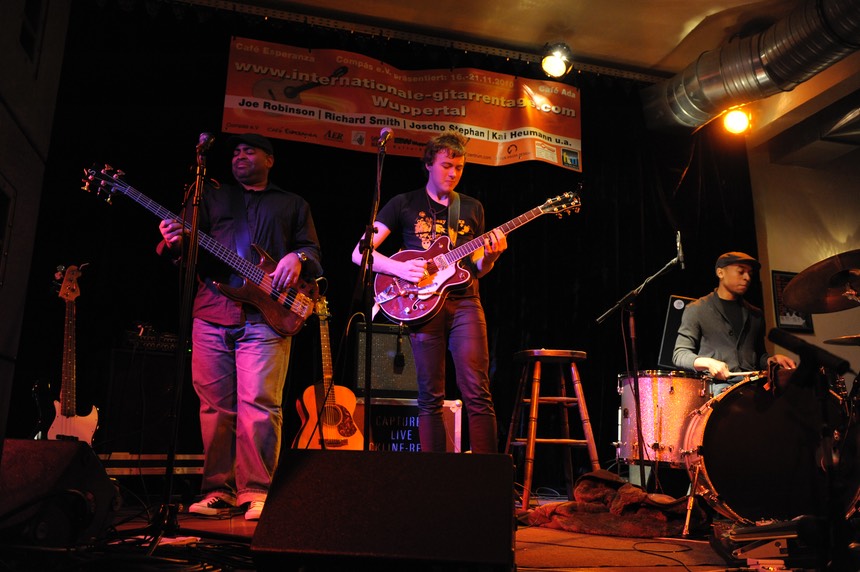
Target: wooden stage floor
[(225, 543)]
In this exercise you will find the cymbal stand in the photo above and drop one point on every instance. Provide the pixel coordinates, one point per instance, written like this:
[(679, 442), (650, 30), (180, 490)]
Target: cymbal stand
[(628, 303)]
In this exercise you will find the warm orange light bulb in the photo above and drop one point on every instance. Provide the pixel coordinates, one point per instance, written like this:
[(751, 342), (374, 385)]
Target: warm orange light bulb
[(736, 121)]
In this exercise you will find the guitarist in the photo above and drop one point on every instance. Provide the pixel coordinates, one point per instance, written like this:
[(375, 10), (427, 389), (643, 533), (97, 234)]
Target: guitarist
[(419, 218), (238, 362)]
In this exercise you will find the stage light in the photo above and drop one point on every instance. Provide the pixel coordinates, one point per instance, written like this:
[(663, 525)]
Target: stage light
[(736, 121), (557, 61)]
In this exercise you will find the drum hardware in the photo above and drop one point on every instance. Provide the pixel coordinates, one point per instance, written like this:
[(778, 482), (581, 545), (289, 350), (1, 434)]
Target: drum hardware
[(845, 340), (827, 286)]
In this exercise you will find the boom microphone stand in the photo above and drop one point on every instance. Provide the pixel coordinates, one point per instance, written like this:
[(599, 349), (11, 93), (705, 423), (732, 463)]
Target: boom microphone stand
[(366, 281), (167, 515), (628, 302)]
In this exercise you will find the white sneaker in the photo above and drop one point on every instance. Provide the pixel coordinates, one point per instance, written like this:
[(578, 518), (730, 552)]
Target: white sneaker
[(255, 509), (213, 504)]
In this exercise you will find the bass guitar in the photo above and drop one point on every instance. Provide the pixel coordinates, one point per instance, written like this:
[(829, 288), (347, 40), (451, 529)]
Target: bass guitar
[(410, 302), (67, 424), (327, 410), (285, 311)]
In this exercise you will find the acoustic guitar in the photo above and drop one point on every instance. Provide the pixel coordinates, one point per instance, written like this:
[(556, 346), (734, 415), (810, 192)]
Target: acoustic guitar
[(326, 410), (67, 424)]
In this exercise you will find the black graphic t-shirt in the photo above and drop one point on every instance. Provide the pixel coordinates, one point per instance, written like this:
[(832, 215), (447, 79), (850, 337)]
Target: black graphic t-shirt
[(420, 221)]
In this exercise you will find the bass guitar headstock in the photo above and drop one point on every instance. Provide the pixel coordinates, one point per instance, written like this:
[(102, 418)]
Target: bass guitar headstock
[(103, 181)]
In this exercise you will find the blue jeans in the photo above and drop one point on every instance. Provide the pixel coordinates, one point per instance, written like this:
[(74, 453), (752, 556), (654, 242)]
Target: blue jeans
[(460, 326), (239, 374)]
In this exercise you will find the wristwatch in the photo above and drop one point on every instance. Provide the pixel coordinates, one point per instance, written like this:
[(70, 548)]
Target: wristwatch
[(302, 256)]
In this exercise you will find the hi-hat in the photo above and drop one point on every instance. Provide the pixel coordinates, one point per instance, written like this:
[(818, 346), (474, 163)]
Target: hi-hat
[(845, 340), (827, 286)]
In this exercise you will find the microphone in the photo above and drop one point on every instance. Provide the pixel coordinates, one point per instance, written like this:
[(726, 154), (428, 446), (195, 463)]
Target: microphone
[(399, 358), (204, 143), (808, 351), (679, 249), (384, 136)]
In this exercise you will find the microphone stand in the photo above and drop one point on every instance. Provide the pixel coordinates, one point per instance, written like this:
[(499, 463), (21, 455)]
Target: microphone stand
[(628, 302), (368, 298), (167, 515)]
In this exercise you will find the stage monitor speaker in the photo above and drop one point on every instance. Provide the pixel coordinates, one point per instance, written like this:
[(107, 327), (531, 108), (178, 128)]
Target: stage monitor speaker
[(359, 510), (670, 330), (392, 365), (53, 493)]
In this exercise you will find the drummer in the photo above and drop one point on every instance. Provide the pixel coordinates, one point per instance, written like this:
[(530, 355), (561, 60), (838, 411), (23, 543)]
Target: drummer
[(722, 334)]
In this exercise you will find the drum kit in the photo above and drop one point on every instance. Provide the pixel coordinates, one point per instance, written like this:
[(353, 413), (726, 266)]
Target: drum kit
[(753, 452)]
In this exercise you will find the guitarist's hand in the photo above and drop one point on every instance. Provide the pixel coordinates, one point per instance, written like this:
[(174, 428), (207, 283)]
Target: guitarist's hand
[(287, 273), (413, 270), (171, 231)]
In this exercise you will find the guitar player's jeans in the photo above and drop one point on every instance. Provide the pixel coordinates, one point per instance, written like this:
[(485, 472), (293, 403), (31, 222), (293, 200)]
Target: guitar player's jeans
[(461, 327), (239, 374)]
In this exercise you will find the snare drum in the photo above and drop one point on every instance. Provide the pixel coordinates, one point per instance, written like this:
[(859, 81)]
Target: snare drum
[(666, 399), (754, 454)]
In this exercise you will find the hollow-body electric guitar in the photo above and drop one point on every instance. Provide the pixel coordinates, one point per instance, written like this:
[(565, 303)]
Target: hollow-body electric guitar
[(67, 424), (285, 311), (325, 409), (405, 301)]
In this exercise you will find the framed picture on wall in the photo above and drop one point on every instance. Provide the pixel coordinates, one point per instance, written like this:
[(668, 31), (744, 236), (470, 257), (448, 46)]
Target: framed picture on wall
[(788, 318)]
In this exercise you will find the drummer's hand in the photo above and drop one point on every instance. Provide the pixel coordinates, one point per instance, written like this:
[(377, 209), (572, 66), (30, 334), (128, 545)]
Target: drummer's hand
[(716, 368), (781, 360)]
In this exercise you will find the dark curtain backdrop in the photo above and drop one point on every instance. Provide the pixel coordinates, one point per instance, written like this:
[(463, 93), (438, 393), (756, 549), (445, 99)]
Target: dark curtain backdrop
[(142, 80)]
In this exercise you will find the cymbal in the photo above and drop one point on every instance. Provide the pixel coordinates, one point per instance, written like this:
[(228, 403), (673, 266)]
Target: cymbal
[(830, 285), (845, 340)]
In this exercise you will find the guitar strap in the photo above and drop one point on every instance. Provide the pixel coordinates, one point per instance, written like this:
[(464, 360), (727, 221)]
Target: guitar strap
[(240, 223), (453, 216)]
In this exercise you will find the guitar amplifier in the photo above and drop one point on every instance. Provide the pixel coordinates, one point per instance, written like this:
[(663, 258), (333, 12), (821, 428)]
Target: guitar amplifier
[(394, 426), (391, 375)]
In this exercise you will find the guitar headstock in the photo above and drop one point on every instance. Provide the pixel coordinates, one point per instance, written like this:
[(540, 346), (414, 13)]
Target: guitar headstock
[(322, 308), (69, 288), (104, 181), (566, 203)]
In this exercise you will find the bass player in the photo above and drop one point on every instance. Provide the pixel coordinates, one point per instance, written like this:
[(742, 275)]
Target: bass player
[(239, 361)]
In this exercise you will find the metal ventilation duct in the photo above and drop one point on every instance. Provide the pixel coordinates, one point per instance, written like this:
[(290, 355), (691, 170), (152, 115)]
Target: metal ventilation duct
[(814, 36)]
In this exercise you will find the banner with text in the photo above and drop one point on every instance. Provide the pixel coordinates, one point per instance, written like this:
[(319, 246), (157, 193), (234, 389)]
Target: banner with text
[(342, 99)]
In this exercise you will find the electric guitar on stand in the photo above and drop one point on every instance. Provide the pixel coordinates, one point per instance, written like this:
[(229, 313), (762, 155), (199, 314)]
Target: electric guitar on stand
[(67, 425), (326, 410)]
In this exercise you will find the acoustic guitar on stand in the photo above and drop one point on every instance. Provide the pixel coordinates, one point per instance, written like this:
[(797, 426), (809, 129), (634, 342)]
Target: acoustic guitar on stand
[(67, 424), (285, 311), (326, 410), (407, 302)]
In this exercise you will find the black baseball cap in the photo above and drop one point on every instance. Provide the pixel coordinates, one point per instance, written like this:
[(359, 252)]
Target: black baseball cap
[(252, 139), (737, 258)]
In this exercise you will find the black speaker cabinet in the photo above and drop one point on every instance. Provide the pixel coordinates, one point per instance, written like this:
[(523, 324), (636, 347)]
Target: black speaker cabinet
[(136, 417), (392, 364), (53, 493), (362, 510), (670, 329)]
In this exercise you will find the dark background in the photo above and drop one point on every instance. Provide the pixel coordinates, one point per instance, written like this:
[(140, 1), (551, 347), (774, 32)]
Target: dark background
[(142, 80)]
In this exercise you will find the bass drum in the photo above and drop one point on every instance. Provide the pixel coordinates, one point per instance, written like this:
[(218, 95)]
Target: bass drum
[(756, 456)]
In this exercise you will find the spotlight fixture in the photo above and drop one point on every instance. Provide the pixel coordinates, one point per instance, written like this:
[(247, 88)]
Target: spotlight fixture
[(557, 60), (736, 121)]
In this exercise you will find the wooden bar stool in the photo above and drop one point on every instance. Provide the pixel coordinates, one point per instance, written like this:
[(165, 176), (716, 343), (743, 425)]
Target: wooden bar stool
[(533, 360)]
